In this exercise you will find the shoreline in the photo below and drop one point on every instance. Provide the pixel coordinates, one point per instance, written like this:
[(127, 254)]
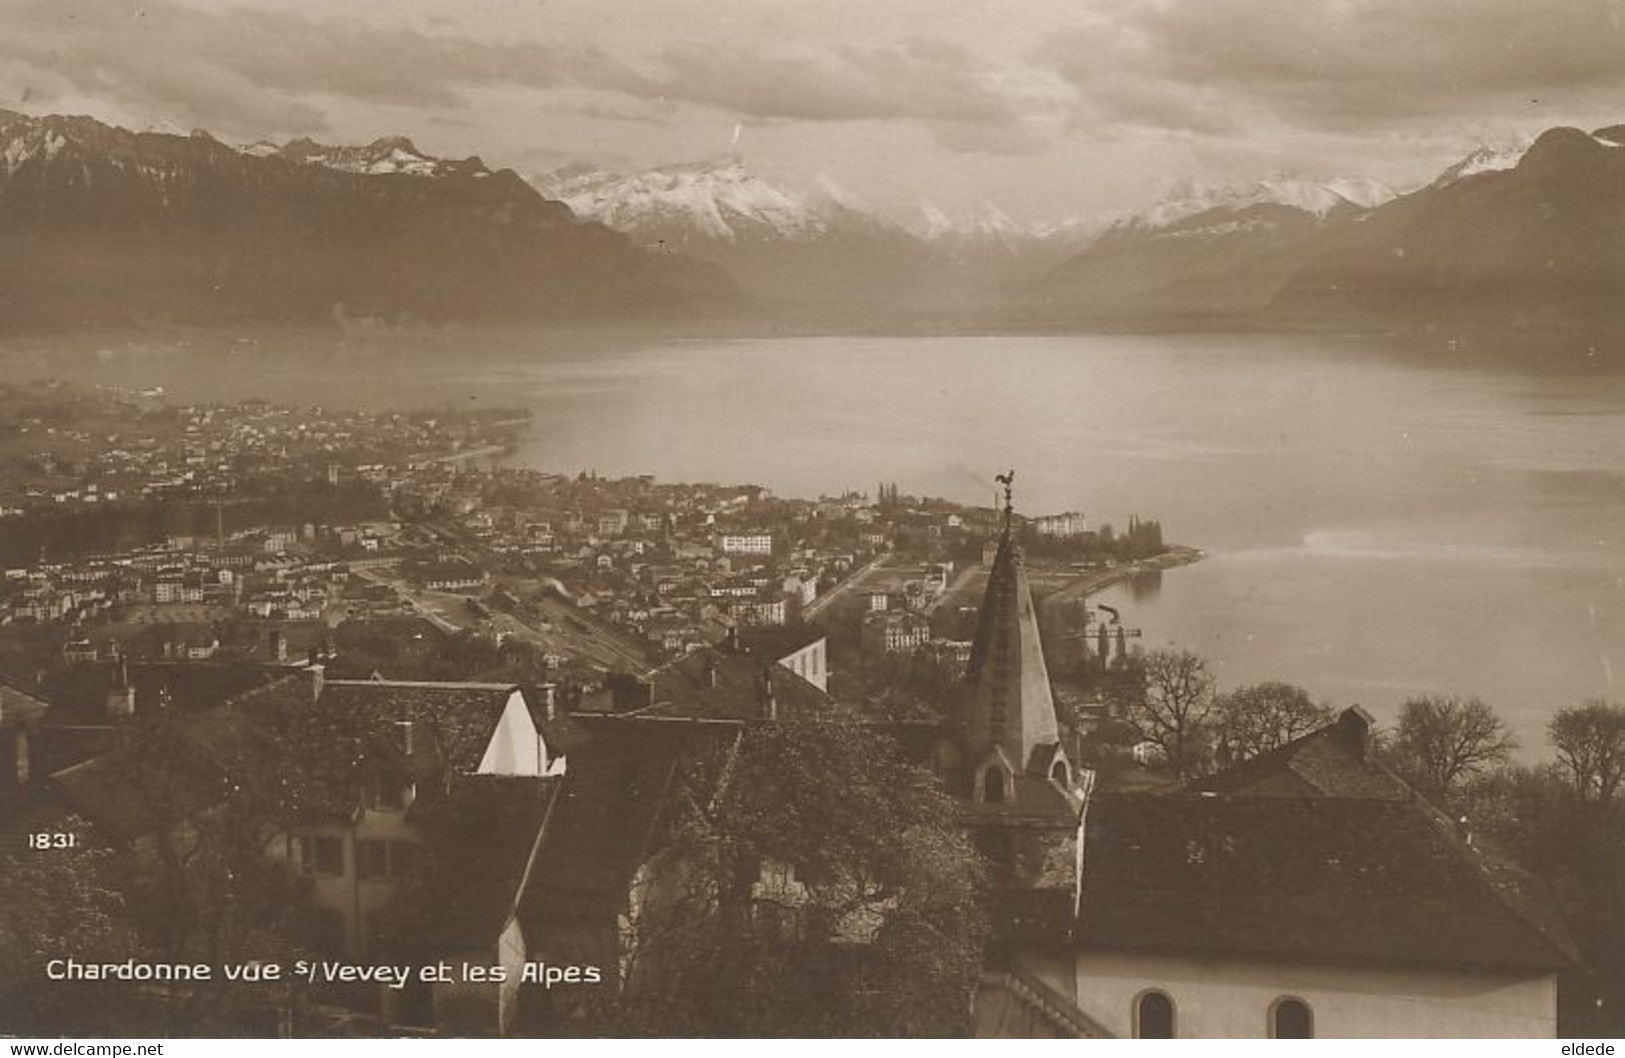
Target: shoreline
[(1174, 557)]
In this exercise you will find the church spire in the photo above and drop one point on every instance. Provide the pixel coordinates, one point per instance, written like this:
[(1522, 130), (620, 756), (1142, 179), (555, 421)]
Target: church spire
[(1010, 709)]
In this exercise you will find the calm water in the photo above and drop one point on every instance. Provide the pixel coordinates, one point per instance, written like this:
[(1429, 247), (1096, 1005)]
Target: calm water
[(1376, 527)]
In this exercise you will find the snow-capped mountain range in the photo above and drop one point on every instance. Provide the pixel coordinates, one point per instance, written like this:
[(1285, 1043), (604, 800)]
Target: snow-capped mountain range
[(824, 243), (726, 202), (708, 232), (722, 201), (1319, 199), (1486, 158)]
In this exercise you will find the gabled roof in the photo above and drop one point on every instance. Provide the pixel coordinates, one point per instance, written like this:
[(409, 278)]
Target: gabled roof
[(1337, 760), (307, 757), (777, 642), (608, 811), (1317, 878), (458, 717), (79, 693), (19, 705), (215, 750), (480, 837), (106, 792), (718, 684)]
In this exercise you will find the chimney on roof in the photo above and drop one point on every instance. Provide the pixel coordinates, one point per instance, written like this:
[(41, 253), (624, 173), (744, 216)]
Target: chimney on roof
[(730, 639), (279, 645), (316, 674), (770, 704), (710, 670), (551, 708), (120, 694), (403, 736), (1354, 731)]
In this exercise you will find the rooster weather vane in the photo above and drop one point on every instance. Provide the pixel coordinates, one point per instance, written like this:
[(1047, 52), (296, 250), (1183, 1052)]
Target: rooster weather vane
[(1008, 480)]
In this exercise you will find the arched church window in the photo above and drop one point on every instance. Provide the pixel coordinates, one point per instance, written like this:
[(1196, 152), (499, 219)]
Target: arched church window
[(1291, 1019), (1153, 1016), (993, 786), (1058, 771)]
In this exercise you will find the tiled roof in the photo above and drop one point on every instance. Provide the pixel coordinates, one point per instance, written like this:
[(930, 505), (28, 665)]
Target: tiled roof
[(721, 684), (608, 810), (18, 705), (1337, 760), (774, 643), (229, 744), (306, 756), (458, 717), (479, 839), (79, 693), (1332, 761), (1317, 878), (1033, 801)]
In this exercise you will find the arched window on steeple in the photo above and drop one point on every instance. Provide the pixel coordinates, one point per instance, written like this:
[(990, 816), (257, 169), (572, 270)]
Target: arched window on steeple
[(993, 785), (1060, 772)]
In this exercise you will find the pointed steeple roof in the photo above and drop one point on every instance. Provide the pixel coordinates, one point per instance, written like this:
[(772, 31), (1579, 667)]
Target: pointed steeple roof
[(1010, 707)]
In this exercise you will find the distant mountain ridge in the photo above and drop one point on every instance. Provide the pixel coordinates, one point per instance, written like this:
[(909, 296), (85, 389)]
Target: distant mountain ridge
[(384, 156), (100, 225), (1203, 249), (1538, 239), (1521, 234), (821, 248)]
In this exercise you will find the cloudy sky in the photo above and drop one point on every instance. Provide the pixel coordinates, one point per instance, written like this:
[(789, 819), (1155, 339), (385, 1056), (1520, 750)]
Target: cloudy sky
[(1047, 108)]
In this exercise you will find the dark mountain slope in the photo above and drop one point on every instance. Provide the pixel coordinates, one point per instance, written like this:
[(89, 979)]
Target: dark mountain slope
[(101, 225)]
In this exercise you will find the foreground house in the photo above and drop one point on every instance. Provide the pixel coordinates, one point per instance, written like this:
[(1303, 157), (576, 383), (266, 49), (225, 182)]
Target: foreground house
[(464, 823), (1306, 892)]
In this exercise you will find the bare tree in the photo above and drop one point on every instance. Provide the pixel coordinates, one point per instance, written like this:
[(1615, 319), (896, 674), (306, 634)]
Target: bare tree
[(1170, 703), (1258, 718), (1442, 740), (1590, 743)]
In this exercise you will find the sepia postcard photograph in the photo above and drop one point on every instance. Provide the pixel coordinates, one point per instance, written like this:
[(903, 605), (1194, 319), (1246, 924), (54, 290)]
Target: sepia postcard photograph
[(811, 518)]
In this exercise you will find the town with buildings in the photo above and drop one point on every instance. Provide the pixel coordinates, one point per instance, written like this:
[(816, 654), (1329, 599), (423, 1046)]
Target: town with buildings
[(137, 529), (344, 695)]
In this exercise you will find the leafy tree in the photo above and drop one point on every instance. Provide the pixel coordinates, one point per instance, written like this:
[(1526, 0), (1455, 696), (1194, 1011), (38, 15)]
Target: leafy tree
[(1577, 847), (62, 904), (198, 883), (1590, 744), (1258, 718), (823, 890), (1170, 701), (1441, 741)]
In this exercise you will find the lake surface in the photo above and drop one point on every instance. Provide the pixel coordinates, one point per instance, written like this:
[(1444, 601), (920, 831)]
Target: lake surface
[(1377, 527)]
